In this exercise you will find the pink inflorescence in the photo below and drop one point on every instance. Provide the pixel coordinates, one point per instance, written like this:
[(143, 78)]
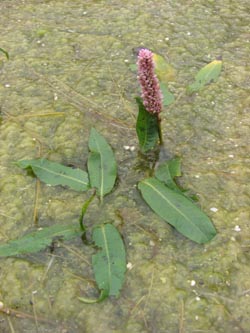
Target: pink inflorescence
[(151, 93)]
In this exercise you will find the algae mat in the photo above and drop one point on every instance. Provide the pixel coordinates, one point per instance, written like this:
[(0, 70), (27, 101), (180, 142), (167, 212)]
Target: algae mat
[(68, 71)]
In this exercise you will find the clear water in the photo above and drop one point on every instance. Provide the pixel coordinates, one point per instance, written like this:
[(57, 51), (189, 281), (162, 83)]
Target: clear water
[(68, 71)]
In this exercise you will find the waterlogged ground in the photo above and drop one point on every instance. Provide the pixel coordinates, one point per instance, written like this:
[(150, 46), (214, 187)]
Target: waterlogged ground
[(69, 71)]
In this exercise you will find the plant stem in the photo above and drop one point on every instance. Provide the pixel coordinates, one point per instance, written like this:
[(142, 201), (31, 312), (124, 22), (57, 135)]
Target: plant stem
[(159, 129)]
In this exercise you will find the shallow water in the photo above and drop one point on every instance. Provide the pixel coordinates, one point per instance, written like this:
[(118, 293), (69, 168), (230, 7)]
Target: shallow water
[(68, 71)]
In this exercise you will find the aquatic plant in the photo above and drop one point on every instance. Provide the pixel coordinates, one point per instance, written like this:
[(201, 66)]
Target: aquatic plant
[(160, 191), (153, 73)]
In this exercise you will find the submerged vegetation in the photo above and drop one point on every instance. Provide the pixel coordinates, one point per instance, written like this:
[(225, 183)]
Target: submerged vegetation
[(160, 191)]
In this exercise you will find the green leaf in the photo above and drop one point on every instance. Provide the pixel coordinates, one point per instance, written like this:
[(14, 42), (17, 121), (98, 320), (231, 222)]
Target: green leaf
[(5, 53), (101, 164), (147, 128), (168, 97), (109, 264), (133, 67), (57, 174), (164, 71), (177, 210), (167, 171), (39, 239), (206, 75)]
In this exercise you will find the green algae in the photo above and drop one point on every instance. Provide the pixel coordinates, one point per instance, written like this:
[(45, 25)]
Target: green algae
[(72, 57)]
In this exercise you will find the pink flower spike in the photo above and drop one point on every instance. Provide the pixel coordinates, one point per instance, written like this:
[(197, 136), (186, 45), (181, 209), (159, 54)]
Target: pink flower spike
[(150, 87)]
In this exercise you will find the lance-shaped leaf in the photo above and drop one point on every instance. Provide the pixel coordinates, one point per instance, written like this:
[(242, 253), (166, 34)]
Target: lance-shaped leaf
[(164, 71), (177, 210), (101, 164), (206, 75), (167, 171), (168, 97), (57, 174), (39, 239), (109, 263), (147, 128)]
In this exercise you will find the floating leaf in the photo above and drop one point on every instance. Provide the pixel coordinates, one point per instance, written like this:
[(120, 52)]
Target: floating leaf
[(168, 97), (39, 239), (164, 71), (5, 53), (101, 164), (109, 263), (147, 128), (206, 75), (57, 174), (177, 210)]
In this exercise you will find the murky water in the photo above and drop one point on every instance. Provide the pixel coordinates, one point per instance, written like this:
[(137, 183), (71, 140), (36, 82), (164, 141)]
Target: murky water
[(68, 71)]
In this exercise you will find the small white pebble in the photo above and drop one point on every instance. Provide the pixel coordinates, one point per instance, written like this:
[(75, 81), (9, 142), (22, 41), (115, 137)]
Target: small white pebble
[(197, 176), (196, 317), (125, 60), (55, 97), (151, 243), (237, 228), (132, 148), (231, 155), (34, 292), (193, 283), (233, 239), (129, 265), (189, 33), (214, 209), (7, 85), (1, 305), (197, 298), (126, 147)]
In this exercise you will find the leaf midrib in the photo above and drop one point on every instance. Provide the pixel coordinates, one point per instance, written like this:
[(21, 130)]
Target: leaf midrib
[(107, 254), (102, 169)]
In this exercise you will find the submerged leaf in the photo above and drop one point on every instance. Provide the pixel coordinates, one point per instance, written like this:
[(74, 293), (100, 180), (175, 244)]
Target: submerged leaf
[(101, 164), (39, 239), (177, 210), (147, 128), (57, 174), (206, 75), (109, 263), (168, 97), (164, 71)]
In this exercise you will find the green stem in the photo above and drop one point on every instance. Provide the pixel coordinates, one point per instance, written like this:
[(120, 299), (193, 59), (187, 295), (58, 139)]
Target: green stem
[(159, 129), (84, 209)]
